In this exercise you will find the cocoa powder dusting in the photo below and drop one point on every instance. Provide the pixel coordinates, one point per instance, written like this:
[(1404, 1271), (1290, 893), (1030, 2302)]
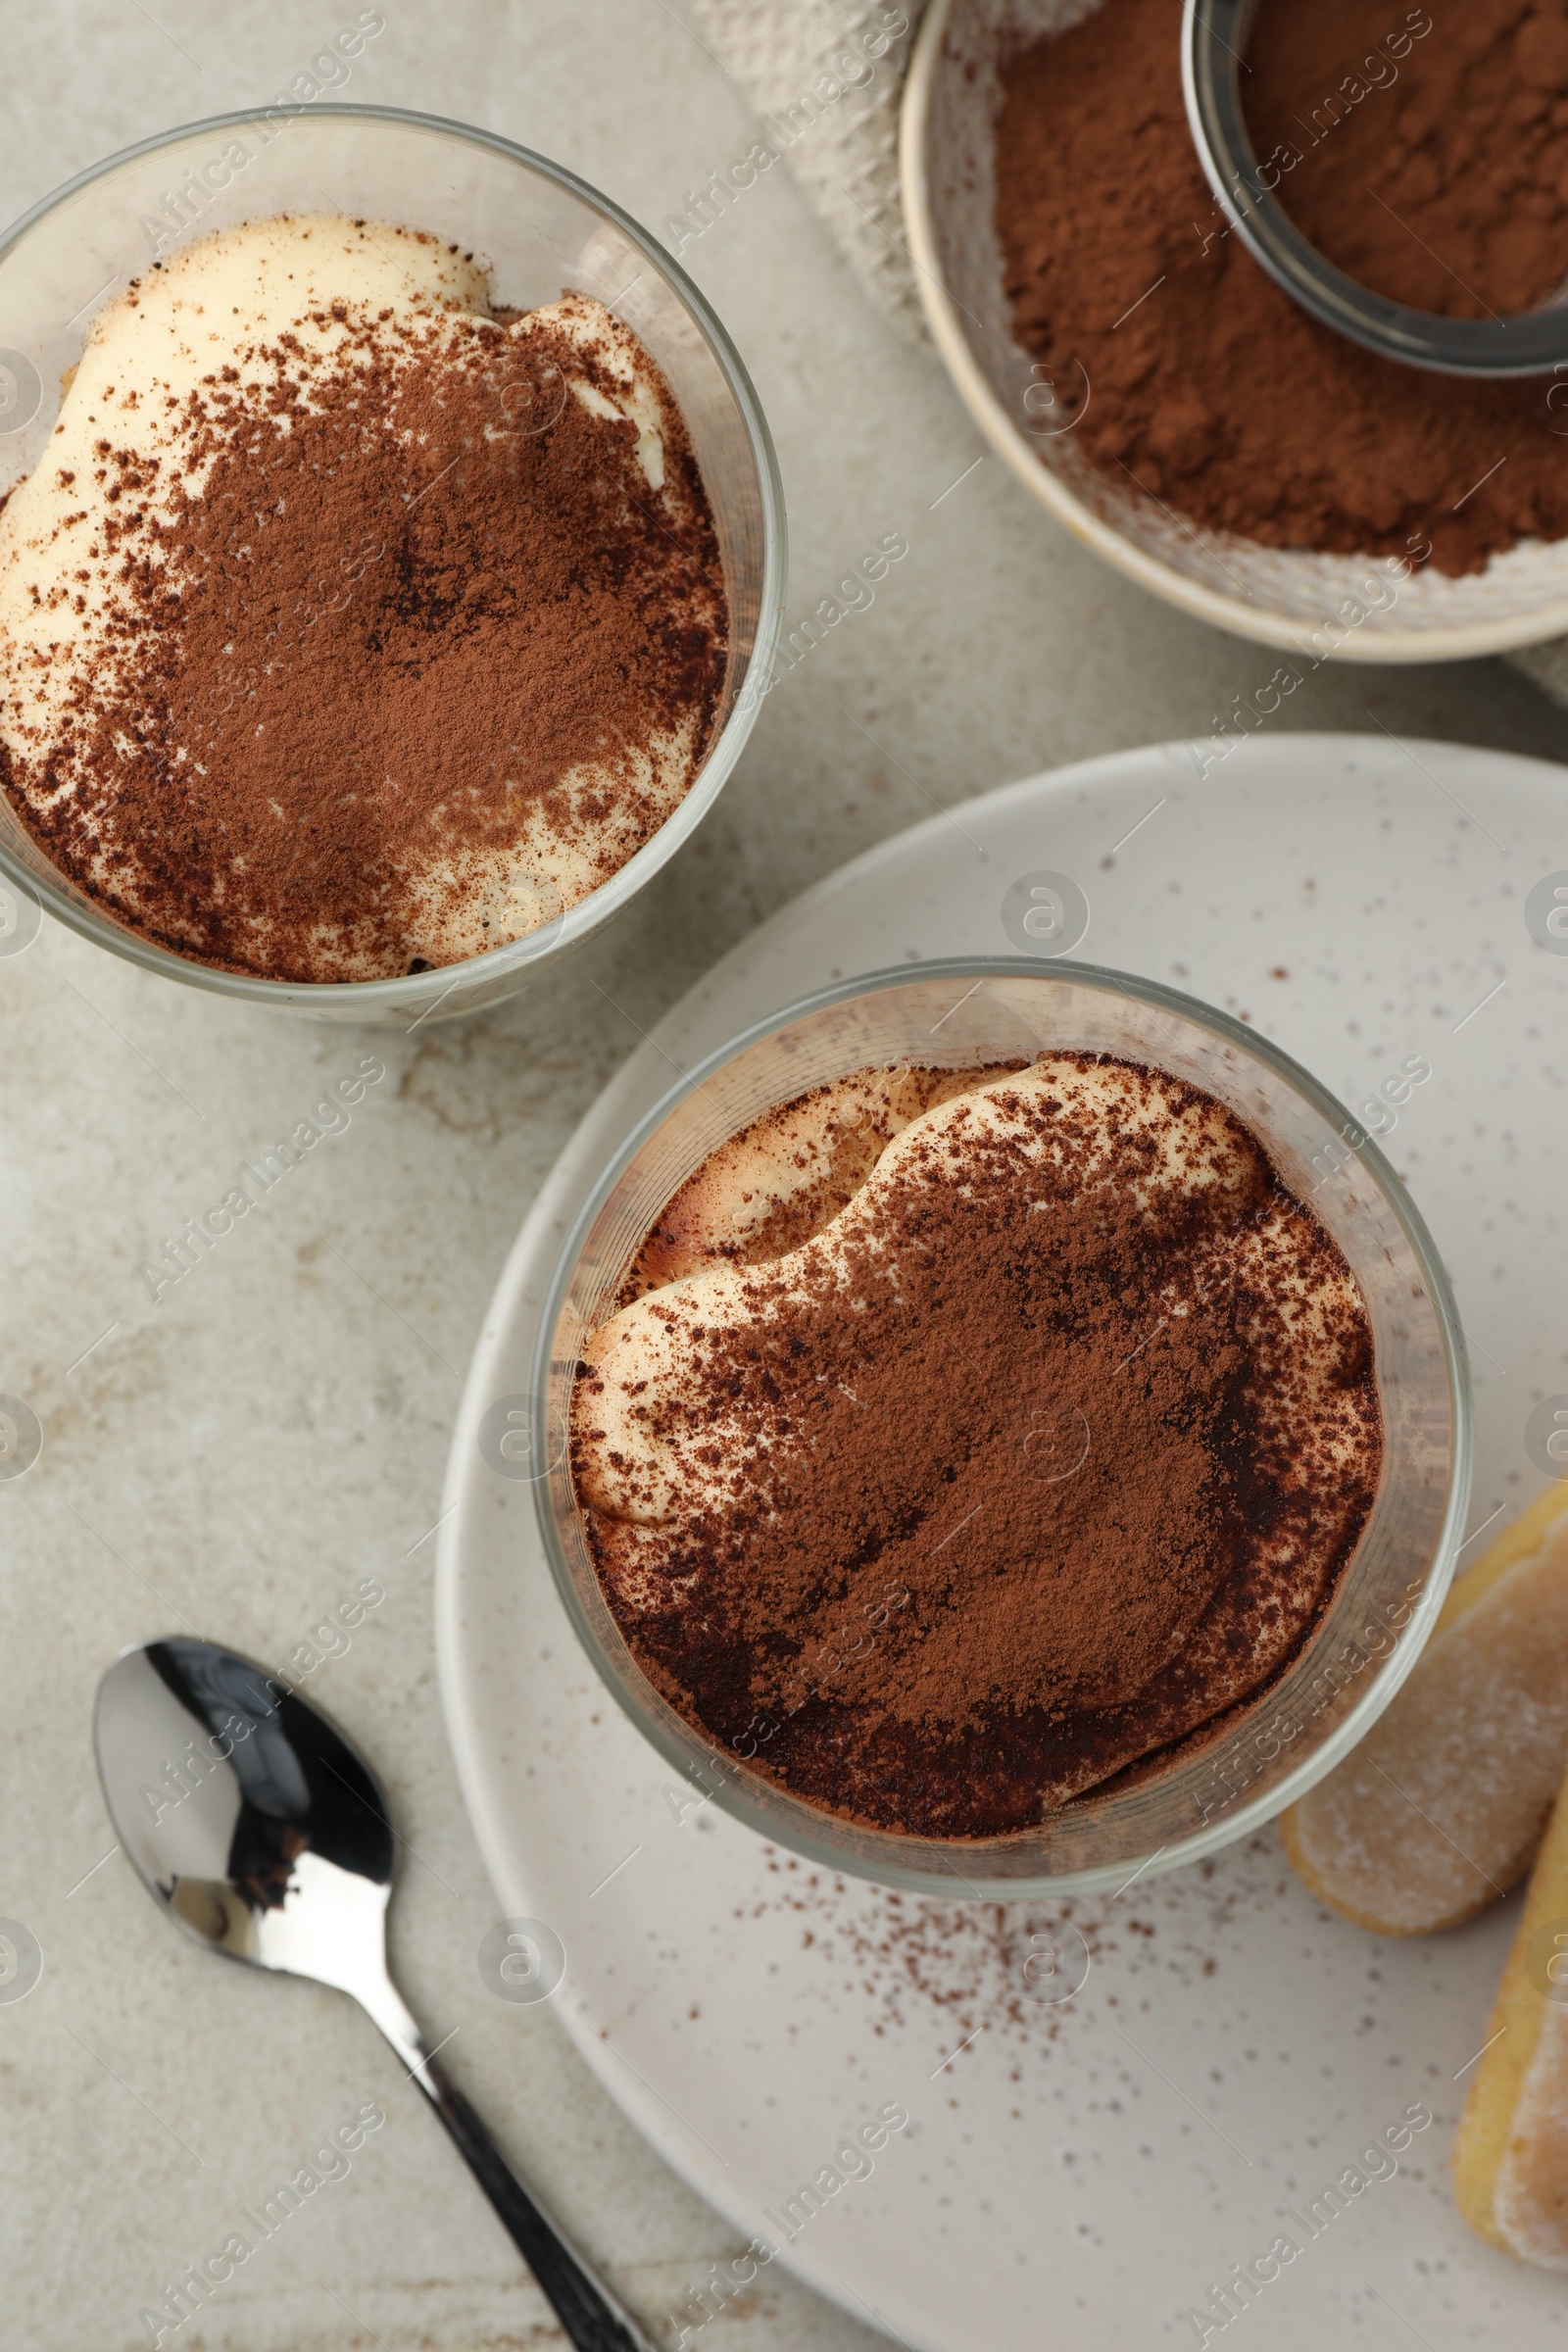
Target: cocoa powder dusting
[(1434, 169), (903, 1961), (847, 1149), (1044, 1486), (1217, 394), (375, 643)]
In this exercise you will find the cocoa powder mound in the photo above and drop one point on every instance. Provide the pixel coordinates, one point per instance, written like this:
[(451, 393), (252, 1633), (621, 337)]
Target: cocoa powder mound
[(1208, 387), (373, 643), (1426, 154), (1013, 1526)]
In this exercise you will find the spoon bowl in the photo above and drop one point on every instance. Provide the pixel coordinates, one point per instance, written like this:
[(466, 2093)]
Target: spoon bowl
[(252, 1819)]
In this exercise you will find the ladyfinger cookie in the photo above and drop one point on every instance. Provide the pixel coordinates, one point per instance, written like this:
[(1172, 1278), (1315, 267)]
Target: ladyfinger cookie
[(1511, 2158), (1441, 1807), (786, 1175)]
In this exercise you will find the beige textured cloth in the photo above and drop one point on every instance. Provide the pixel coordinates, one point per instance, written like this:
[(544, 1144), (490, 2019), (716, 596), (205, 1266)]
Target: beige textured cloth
[(826, 78)]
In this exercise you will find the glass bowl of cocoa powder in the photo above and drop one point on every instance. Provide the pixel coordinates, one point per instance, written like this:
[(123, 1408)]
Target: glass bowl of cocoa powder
[(913, 1458), (1169, 403), (417, 652)]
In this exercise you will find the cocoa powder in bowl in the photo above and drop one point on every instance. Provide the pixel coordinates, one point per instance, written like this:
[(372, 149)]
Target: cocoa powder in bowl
[(1427, 156), (1210, 388)]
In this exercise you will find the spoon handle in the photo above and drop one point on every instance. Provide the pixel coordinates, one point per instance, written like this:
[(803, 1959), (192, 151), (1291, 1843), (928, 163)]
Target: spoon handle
[(592, 2316), (594, 2319)]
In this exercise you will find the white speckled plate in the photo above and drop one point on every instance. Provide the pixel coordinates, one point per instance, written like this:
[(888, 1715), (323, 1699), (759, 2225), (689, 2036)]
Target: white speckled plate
[(1082, 2172)]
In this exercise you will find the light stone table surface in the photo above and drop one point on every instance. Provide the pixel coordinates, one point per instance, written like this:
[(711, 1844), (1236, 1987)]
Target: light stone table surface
[(272, 1431)]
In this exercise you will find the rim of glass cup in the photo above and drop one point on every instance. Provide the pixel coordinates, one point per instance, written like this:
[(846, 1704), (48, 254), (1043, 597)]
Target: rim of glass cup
[(422, 992), (947, 1869)]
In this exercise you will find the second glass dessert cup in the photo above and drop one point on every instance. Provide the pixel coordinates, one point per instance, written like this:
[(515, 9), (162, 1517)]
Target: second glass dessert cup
[(1217, 1786), (541, 229)]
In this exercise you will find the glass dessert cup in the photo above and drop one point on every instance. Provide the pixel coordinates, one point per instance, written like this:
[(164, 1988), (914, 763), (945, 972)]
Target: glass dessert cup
[(541, 229), (1224, 1781)]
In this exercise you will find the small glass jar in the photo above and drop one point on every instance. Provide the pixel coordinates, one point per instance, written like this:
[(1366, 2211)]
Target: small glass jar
[(541, 229), (960, 1013)]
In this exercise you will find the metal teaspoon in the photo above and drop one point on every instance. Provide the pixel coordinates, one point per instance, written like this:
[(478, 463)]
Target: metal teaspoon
[(280, 1853)]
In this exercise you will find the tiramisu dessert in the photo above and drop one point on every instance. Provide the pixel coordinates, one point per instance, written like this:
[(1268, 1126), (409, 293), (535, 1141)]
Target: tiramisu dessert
[(963, 1439), (350, 625)]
